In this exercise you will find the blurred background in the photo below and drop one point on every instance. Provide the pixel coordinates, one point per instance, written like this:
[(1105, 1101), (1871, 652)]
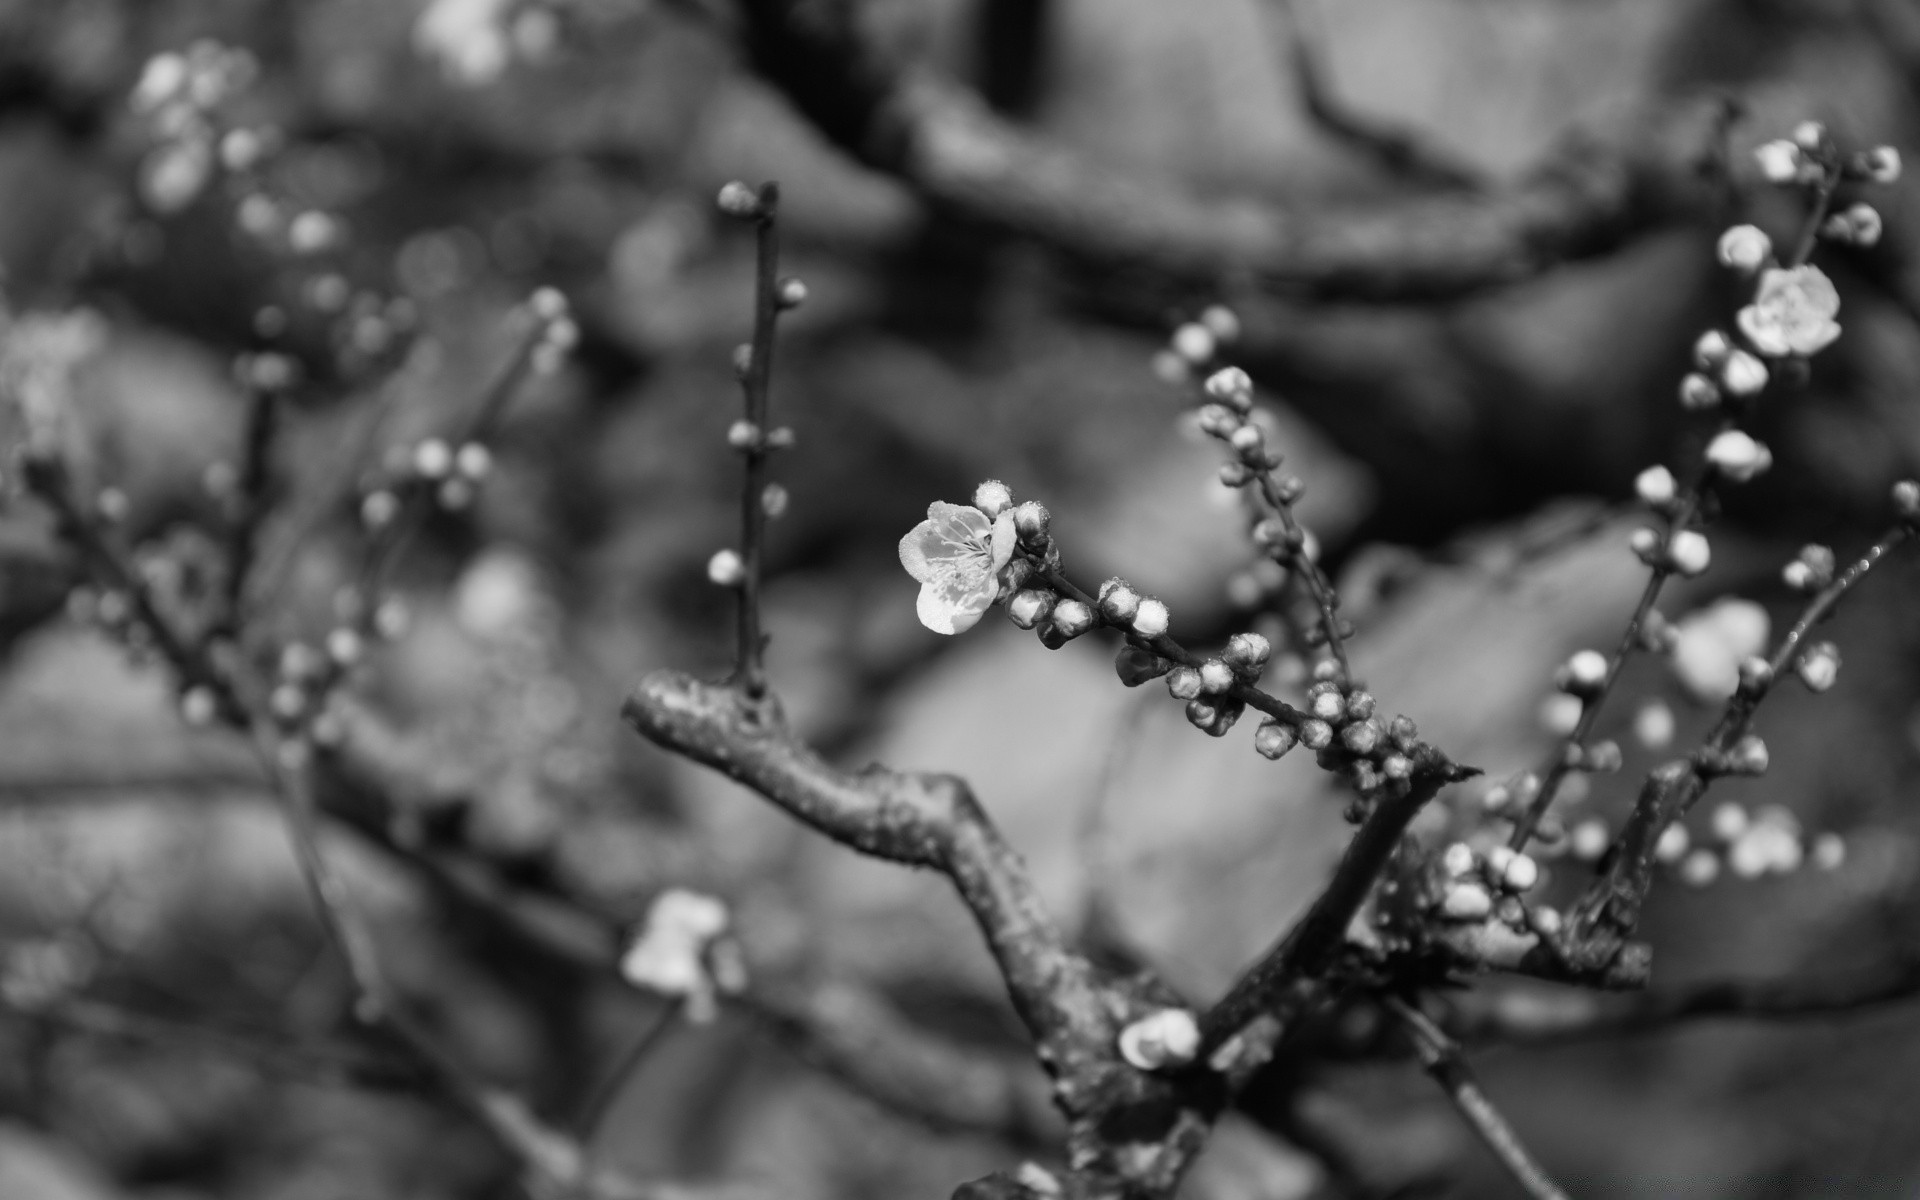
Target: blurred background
[(174, 1024)]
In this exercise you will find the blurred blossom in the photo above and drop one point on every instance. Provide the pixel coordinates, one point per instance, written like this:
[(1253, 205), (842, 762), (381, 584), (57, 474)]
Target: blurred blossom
[(467, 37), (1711, 642), (499, 594), (1793, 312), (174, 175), (38, 355)]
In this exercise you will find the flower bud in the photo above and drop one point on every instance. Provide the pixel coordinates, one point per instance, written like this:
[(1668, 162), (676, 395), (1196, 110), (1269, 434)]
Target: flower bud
[(1248, 440), (1698, 393), (1072, 618), (727, 569), (774, 500), (1119, 603), (1655, 486), (1819, 667), (344, 646), (473, 461), (790, 293), (379, 508), (1748, 756), (1217, 420), (1328, 705), (1711, 349), (1584, 672), (1183, 683), (1906, 501), (1745, 248), (1779, 161), (1755, 673), (743, 360), (1360, 706), (736, 199), (1673, 844), (1247, 653), (1031, 520), (1829, 851), (548, 303), (1466, 902), (1520, 874), (1135, 666), (1273, 739), (1361, 737), (1050, 635), (1737, 456), (1316, 734), (1743, 374), (1560, 713), (1222, 322), (1729, 821), (1169, 368), (1030, 607), (432, 458), (1589, 839), (1700, 868), (198, 707), (1167, 1038), (1203, 713), (1859, 225), (1230, 385), (1883, 164), (1193, 342), (1809, 136), (993, 498), (1150, 619), (1458, 860), (1215, 676), (1689, 552), (780, 438)]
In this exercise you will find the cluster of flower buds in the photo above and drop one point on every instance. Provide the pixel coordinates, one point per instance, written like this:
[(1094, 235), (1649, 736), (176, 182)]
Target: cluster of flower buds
[(1748, 845), (1812, 157), (1683, 551), (684, 950), (1720, 369), (304, 681), (559, 334), (451, 476), (180, 93), (474, 44), (1473, 888), (1195, 343)]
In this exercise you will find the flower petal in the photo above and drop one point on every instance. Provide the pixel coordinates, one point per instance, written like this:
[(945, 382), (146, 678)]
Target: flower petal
[(951, 532), (946, 606), (1004, 539), (1762, 328)]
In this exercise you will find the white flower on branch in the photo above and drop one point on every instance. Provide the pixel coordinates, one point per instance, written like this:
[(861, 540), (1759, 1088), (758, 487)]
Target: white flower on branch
[(1793, 312), (1745, 248), (956, 554), (682, 951)]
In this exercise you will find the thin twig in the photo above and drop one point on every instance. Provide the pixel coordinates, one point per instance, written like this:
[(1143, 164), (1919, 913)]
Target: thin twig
[(594, 1113), (1688, 508), (755, 384), (1442, 1058), (1611, 906)]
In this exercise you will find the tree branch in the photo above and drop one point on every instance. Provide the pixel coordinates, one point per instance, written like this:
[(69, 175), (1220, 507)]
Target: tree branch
[(1442, 1058), (1594, 193)]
